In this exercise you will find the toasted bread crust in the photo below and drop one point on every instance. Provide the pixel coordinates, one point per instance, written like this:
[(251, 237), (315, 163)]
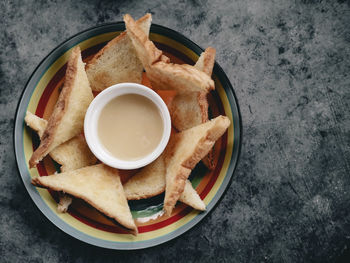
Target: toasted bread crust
[(59, 111), (201, 150), (203, 105), (140, 39), (207, 60), (208, 160), (183, 78)]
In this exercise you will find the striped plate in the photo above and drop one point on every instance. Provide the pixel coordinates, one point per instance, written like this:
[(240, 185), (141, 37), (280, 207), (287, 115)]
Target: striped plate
[(82, 221)]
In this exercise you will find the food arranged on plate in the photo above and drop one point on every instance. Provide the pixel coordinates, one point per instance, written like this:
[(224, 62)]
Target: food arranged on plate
[(123, 60)]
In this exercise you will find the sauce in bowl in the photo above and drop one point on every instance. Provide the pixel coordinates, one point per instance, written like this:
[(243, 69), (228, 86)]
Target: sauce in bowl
[(127, 126), (130, 127)]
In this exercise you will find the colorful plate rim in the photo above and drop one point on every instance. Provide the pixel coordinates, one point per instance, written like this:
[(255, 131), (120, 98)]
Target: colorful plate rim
[(19, 127)]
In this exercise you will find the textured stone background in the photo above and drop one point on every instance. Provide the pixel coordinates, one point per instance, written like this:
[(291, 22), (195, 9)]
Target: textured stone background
[(289, 63)]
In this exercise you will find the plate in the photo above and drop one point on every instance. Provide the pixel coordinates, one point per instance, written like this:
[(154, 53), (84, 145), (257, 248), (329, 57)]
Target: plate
[(82, 221)]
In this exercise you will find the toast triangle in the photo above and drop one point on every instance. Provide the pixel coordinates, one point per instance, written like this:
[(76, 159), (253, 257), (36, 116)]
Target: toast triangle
[(98, 185), (184, 151), (162, 74), (67, 119), (117, 62)]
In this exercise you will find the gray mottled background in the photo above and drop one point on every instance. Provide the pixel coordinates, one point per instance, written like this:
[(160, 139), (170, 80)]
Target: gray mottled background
[(289, 63)]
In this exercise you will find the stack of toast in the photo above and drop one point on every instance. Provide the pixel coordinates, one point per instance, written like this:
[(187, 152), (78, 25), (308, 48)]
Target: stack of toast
[(82, 176)]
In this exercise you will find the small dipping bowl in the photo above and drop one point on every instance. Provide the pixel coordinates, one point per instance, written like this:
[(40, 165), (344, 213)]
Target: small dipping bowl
[(93, 114)]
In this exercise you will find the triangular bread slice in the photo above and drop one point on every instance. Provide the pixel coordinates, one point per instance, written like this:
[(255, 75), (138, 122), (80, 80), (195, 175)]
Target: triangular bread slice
[(182, 78), (184, 151), (117, 62), (161, 73), (71, 155), (98, 185), (190, 109), (67, 119), (150, 181)]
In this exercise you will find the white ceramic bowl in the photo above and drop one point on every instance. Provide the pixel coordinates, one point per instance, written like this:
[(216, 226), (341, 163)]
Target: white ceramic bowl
[(93, 114)]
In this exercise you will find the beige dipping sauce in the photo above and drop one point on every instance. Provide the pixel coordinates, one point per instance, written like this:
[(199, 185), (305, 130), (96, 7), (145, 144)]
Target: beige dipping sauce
[(130, 127)]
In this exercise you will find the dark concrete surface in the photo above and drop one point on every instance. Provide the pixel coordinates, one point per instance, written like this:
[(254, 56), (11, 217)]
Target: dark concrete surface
[(289, 63)]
